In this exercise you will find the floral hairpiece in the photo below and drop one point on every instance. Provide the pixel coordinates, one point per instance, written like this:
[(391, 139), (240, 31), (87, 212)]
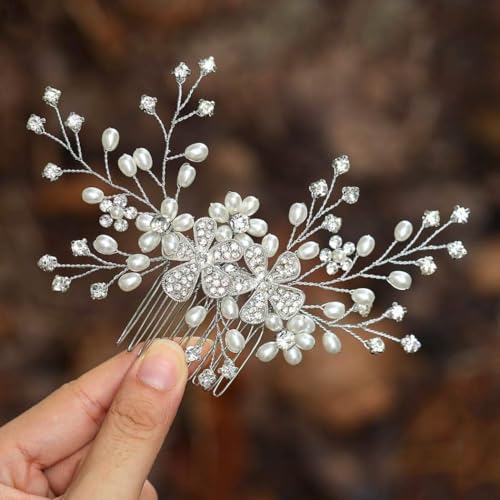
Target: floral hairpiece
[(215, 280)]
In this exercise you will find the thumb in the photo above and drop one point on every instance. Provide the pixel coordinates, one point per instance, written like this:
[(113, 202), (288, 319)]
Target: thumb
[(133, 431)]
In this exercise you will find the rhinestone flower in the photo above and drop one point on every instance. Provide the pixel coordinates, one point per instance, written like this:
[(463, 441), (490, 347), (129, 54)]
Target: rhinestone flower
[(51, 96), (74, 122), (410, 344), (228, 369), (148, 104), (427, 265), (35, 123), (375, 345), (52, 172), (207, 65), (341, 165), (350, 194), (431, 218), (332, 223), (318, 189), (181, 72), (396, 312), (98, 291), (460, 215), (80, 248), (337, 256), (116, 212), (205, 108), (456, 249), (207, 378)]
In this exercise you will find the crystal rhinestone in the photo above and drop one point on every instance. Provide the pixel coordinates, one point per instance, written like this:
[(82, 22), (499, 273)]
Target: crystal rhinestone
[(60, 283), (350, 194), (431, 218), (427, 265), (74, 122), (80, 248), (410, 344), (120, 225), (456, 249), (335, 242), (285, 340), (207, 65), (160, 224), (318, 189), (51, 96), (205, 108), (52, 172), (341, 165), (332, 268), (98, 291), (325, 254), (130, 213), (148, 104), (349, 248), (396, 312), (228, 370), (35, 124), (105, 205), (375, 345), (239, 223), (362, 309), (331, 223), (460, 215), (207, 378), (47, 263), (120, 200), (346, 265), (181, 72), (106, 220), (192, 353)]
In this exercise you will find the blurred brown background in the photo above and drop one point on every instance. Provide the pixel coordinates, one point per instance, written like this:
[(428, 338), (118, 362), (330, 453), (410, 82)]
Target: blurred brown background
[(409, 90)]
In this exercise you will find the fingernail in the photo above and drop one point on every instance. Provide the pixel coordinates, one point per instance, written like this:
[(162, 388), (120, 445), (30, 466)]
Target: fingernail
[(160, 367)]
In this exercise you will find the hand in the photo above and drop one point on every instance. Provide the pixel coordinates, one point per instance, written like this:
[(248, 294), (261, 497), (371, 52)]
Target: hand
[(97, 436)]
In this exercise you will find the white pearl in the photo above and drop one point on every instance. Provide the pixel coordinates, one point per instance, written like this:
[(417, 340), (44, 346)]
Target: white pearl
[(229, 308), (110, 138), (257, 227), (196, 152), (169, 208), (400, 280), (331, 343), (195, 316), (334, 310), (293, 356), (223, 233), (309, 325), (403, 230), (363, 296), (267, 352), (218, 212), (296, 324), (138, 262), (127, 165), (235, 341), (149, 241), (186, 175), (250, 205), (305, 341), (274, 322), (143, 159), (308, 250), (92, 195), (169, 244), (297, 214), (116, 212), (270, 242), (244, 240), (129, 281), (143, 222), (365, 245), (183, 222), (105, 245), (233, 202)]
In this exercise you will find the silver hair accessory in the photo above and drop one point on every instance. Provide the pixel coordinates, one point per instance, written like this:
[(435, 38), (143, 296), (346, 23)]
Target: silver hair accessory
[(215, 279)]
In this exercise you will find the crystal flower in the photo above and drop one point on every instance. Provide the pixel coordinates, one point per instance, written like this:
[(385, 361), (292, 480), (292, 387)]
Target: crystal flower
[(74, 122), (52, 172), (318, 189), (207, 65), (228, 369), (116, 212), (427, 265), (205, 108), (35, 123), (410, 344), (148, 104), (207, 379), (51, 96), (431, 218), (80, 248), (332, 223), (396, 312), (460, 215), (337, 256), (456, 250), (350, 194), (341, 165), (98, 291), (181, 72), (375, 345)]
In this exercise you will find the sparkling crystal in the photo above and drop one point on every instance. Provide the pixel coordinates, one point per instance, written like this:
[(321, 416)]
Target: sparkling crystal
[(120, 225), (35, 124), (105, 205), (427, 265), (181, 72), (410, 344), (331, 223), (362, 309), (349, 247), (228, 370), (74, 122), (47, 263), (160, 224), (431, 218), (60, 283), (51, 96), (285, 340), (193, 353), (375, 345), (148, 104), (130, 213), (207, 378), (98, 291), (396, 312), (318, 189), (350, 194), (346, 265), (332, 268), (80, 248), (456, 249), (106, 220), (460, 215), (52, 172), (325, 254), (207, 65), (239, 223), (205, 108), (335, 242), (120, 200), (341, 165)]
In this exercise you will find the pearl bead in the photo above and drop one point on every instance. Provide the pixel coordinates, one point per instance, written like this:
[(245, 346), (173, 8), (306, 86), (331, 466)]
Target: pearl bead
[(400, 280), (257, 227), (105, 245), (110, 139), (127, 165), (293, 356), (195, 316), (250, 205), (233, 202), (296, 324), (235, 341), (143, 222), (365, 245), (297, 214), (363, 296), (143, 159), (183, 222), (331, 343), (92, 195), (274, 322), (196, 152), (305, 341), (403, 230), (169, 208), (270, 242), (186, 175), (223, 233), (229, 308), (129, 281), (218, 212), (308, 250), (334, 310), (138, 262), (116, 212), (244, 240), (169, 244), (267, 352), (149, 241)]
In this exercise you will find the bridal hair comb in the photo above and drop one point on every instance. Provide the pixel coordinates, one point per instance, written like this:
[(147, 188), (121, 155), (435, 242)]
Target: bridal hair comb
[(215, 279)]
